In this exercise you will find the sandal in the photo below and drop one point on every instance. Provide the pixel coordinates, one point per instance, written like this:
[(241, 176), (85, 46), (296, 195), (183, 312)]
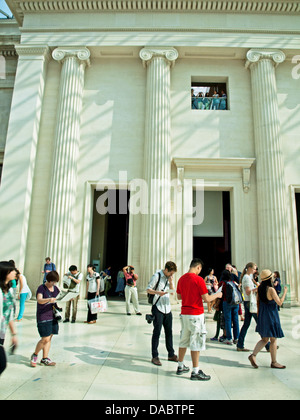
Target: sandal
[(279, 366), (252, 361)]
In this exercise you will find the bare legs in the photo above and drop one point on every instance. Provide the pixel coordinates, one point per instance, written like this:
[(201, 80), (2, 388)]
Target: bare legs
[(44, 344), (194, 355), (273, 351)]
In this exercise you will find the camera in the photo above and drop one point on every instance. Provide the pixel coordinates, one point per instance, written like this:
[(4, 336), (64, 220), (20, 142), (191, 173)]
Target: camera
[(149, 318), (56, 314)]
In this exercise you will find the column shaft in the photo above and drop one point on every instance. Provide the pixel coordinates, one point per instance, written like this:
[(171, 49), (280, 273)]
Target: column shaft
[(271, 190), (64, 176), (155, 241)]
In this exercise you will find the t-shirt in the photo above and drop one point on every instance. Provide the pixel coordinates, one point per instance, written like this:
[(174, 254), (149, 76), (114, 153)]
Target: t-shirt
[(92, 279), (247, 282), (45, 312), (191, 288), (129, 276)]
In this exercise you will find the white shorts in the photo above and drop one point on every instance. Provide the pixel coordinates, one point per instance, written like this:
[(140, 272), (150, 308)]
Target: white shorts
[(193, 332)]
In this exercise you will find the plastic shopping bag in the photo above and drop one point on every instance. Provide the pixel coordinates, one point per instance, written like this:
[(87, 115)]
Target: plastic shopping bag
[(98, 304)]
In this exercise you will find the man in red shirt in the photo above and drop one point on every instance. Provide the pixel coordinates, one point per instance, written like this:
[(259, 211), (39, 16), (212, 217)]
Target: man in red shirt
[(192, 291)]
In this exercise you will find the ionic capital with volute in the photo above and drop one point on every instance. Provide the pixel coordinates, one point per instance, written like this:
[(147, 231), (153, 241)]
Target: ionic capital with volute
[(255, 55), (80, 53), (170, 54)]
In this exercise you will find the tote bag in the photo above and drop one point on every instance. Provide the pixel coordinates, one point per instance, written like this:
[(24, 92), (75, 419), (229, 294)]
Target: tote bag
[(253, 303), (98, 304)]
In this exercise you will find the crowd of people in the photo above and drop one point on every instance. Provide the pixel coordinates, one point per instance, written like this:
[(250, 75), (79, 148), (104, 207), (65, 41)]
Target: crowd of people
[(245, 294), (204, 101)]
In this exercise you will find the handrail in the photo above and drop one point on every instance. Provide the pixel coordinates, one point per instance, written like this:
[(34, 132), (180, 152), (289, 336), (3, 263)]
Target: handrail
[(209, 102)]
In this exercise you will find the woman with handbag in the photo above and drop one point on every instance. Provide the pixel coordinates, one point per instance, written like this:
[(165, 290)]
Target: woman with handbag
[(47, 323), (7, 305), (93, 279)]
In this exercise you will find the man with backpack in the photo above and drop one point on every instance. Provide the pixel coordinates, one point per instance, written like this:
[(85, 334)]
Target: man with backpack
[(231, 299), (160, 284)]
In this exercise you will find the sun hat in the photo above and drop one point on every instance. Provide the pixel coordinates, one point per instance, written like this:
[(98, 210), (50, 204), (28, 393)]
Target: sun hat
[(266, 275)]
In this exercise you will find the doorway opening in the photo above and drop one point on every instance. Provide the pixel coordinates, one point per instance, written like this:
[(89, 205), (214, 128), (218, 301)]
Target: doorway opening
[(109, 243), (212, 239)]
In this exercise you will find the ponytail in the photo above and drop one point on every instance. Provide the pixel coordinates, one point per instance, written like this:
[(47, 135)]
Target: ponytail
[(250, 264)]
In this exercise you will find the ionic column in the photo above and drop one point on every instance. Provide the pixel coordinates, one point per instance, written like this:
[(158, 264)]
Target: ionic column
[(64, 176), (271, 189), (155, 243)]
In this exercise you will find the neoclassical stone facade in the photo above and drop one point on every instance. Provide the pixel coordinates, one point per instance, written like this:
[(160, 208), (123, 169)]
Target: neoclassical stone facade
[(95, 88)]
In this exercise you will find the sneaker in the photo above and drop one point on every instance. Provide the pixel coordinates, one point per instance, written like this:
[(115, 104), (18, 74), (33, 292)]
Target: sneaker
[(200, 376), (66, 320), (229, 342), (47, 362), (214, 339), (33, 360), (181, 371)]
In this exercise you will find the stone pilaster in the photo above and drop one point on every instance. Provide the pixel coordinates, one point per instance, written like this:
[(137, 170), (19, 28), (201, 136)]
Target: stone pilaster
[(271, 190), (21, 150), (155, 244), (64, 175)]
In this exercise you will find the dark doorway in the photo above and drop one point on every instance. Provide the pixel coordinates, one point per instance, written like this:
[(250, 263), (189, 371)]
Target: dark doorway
[(110, 235), (297, 199), (215, 252), (117, 239)]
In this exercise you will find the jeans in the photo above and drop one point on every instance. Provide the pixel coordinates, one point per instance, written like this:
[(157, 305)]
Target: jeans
[(231, 315), (246, 325), (166, 321)]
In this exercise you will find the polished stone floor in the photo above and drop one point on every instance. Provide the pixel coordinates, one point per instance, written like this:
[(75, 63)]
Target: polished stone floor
[(110, 360)]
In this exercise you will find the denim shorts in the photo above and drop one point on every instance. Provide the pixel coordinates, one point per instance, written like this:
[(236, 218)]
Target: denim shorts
[(47, 328)]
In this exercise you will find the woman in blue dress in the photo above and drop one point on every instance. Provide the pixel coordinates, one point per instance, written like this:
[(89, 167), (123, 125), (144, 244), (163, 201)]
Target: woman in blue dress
[(268, 322)]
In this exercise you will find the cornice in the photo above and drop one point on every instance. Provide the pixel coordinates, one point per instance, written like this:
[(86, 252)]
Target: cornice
[(21, 7), (220, 164), (8, 51)]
